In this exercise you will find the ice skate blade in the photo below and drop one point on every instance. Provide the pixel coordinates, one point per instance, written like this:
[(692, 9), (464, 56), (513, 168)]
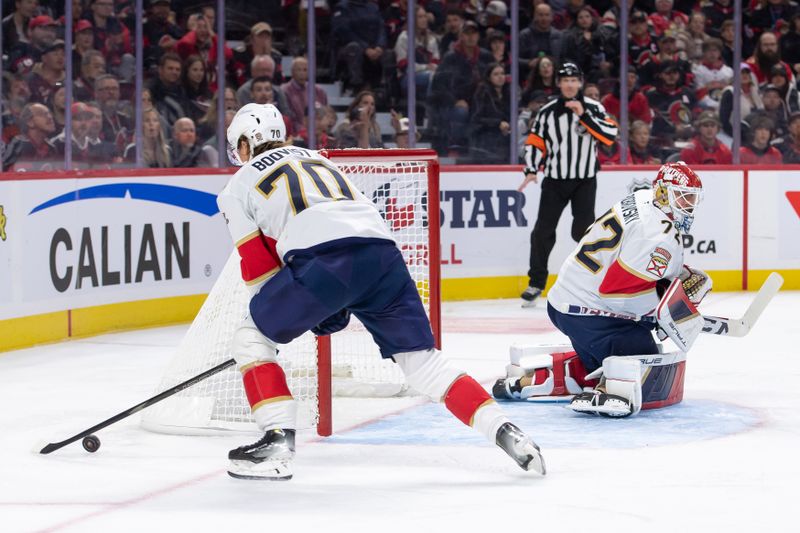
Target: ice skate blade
[(266, 470), (535, 462), (610, 409), (527, 304)]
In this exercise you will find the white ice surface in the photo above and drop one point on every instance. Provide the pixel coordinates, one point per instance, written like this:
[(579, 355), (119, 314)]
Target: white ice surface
[(724, 460)]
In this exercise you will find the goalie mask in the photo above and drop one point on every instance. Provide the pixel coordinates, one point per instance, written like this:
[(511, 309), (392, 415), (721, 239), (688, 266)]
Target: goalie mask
[(258, 124), (677, 191)]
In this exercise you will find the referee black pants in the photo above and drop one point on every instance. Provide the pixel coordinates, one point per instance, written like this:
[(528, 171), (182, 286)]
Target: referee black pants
[(555, 196)]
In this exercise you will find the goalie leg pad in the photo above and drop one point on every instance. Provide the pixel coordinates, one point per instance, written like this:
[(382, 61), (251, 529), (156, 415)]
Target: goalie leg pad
[(662, 383), (554, 374)]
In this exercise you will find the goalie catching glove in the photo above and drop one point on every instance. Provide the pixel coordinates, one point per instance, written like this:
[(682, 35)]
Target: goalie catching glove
[(696, 284)]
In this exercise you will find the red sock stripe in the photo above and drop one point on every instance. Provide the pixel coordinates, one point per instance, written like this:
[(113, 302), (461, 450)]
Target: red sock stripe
[(464, 398), (265, 383)]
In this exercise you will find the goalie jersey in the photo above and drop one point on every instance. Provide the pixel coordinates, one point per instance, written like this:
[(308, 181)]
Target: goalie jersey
[(290, 199), (619, 260)]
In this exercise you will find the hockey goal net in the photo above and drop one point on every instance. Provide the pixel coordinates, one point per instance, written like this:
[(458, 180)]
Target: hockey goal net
[(404, 184)]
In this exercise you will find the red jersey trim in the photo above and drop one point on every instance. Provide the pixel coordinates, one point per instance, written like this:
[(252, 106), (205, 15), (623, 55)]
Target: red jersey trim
[(621, 281)]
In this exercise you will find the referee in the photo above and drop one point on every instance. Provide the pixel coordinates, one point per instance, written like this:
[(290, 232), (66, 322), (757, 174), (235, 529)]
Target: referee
[(563, 145)]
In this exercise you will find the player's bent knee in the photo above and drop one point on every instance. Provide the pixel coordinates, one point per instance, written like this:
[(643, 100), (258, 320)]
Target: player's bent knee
[(427, 372), (250, 346)]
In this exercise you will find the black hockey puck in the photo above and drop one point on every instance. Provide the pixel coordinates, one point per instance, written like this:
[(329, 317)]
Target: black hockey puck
[(91, 443)]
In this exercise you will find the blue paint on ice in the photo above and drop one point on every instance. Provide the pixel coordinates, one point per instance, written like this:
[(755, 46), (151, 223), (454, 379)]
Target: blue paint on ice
[(554, 426)]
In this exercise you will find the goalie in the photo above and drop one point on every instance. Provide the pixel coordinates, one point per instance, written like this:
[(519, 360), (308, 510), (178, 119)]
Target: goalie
[(625, 279), (314, 250)]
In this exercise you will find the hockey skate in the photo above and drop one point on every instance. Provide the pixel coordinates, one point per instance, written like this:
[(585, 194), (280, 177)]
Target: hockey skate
[(269, 458), (521, 448), (530, 295), (596, 402)]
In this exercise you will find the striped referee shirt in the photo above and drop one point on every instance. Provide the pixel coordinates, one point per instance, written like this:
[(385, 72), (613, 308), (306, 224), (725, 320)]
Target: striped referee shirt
[(563, 144)]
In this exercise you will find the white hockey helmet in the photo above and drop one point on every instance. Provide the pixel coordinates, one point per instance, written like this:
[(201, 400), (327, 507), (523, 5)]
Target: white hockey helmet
[(677, 192), (258, 124)]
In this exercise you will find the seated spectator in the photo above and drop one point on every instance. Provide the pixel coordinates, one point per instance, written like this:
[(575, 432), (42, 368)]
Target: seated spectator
[(259, 43), (750, 101), (84, 42), (47, 74), (790, 44), (207, 126), (117, 126), (360, 129), (705, 148), (767, 55), (540, 38), (112, 38), (262, 66), (759, 151), (262, 92), (489, 121), (31, 150), (325, 118), (295, 93), (788, 91), (57, 104), (711, 76), (92, 65), (80, 124), (726, 35), (186, 153), (210, 150), (640, 150), (591, 90), (497, 46), (202, 42), (166, 91), (359, 38), (103, 153), (775, 109), (426, 55), (566, 13), (790, 147), (15, 25), (638, 106), (542, 76), (454, 20), (641, 40), (666, 20), (667, 53), (530, 103), (693, 38), (195, 87), (717, 12), (25, 55), (156, 152), (672, 105), (160, 34), (453, 87), (493, 19), (766, 16), (16, 95)]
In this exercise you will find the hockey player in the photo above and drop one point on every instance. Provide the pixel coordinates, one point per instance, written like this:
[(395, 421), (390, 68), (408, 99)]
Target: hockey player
[(314, 250), (607, 301)]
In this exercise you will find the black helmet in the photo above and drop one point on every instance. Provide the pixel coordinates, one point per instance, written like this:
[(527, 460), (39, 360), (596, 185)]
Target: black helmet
[(570, 70)]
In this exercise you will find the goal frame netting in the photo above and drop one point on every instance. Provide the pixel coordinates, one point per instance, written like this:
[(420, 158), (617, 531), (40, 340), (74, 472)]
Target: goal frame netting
[(371, 164)]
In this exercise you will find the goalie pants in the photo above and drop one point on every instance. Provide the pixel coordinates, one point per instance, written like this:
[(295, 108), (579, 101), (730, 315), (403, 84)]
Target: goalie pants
[(367, 277), (596, 337)]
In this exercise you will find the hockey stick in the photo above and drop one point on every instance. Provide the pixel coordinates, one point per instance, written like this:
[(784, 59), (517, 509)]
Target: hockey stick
[(716, 325), (53, 446), (739, 327)]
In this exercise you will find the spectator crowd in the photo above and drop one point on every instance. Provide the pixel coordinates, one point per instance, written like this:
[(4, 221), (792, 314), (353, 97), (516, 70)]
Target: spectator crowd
[(679, 77)]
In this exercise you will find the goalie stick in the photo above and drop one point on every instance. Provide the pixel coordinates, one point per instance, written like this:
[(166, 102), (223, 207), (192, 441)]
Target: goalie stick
[(53, 446), (739, 327), (716, 325)]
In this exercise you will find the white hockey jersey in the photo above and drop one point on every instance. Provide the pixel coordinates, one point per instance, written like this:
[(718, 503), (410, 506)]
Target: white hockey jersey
[(618, 262), (290, 199)]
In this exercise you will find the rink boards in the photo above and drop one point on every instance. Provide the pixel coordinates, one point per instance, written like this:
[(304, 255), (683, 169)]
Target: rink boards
[(83, 253)]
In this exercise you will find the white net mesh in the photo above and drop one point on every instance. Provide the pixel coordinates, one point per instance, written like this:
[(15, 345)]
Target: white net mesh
[(399, 189)]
